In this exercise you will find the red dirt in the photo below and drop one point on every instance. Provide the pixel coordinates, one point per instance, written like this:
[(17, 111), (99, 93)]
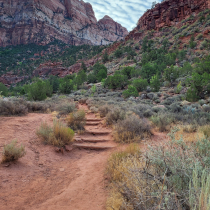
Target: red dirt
[(46, 180)]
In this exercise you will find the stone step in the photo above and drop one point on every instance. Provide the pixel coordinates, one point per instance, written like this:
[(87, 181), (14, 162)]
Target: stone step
[(93, 119), (98, 132), (95, 140), (93, 123), (92, 147)]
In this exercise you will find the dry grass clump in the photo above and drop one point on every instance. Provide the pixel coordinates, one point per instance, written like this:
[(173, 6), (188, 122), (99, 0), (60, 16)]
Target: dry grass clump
[(132, 129), (12, 152), (104, 110), (191, 128), (38, 107), (115, 115), (58, 135), (205, 130), (83, 100), (12, 107), (67, 108), (76, 120)]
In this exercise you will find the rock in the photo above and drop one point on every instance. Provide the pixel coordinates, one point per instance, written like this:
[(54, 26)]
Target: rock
[(168, 13), (68, 148), (42, 21)]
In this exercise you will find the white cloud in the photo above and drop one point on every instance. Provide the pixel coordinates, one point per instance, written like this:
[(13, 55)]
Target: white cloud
[(125, 12)]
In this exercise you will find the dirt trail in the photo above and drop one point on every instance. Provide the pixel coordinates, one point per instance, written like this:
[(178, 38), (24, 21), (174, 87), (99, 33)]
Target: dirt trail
[(44, 179)]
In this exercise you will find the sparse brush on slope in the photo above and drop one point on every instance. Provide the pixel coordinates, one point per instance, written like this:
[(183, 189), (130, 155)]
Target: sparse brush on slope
[(12, 152), (58, 135)]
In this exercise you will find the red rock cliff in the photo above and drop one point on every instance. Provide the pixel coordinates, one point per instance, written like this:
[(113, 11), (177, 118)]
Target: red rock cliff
[(168, 13), (41, 21)]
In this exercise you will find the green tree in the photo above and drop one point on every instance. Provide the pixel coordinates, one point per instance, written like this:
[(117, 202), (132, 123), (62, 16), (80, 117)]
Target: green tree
[(39, 90), (54, 82), (3, 89), (127, 71), (155, 83), (118, 53), (84, 67), (171, 74), (92, 78), (140, 84), (105, 57), (66, 85), (116, 81), (102, 74), (131, 91)]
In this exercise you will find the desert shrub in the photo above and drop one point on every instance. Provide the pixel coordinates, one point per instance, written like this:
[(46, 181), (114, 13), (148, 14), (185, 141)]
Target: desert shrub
[(190, 128), (132, 129), (66, 85), (140, 109), (67, 108), (127, 71), (140, 84), (83, 100), (162, 121), (76, 120), (12, 152), (118, 53), (38, 106), (58, 135), (131, 91), (171, 175), (104, 110), (93, 109), (115, 115), (206, 130), (13, 107)]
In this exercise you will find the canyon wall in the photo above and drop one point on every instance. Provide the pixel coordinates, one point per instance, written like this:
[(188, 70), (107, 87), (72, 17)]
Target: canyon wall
[(168, 13), (42, 21)]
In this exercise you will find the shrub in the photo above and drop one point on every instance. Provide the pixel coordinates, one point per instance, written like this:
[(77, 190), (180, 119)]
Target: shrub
[(140, 84), (115, 115), (118, 53), (131, 129), (67, 108), (127, 71), (76, 120), (58, 135), (155, 83), (162, 121), (66, 85), (12, 152), (104, 110), (39, 90), (116, 81), (131, 91), (13, 107)]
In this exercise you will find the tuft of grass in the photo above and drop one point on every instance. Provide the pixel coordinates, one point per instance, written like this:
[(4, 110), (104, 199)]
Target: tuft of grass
[(12, 152), (205, 130), (76, 120), (58, 135), (132, 129)]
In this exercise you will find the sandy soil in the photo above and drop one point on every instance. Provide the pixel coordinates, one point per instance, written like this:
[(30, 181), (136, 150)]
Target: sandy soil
[(44, 179)]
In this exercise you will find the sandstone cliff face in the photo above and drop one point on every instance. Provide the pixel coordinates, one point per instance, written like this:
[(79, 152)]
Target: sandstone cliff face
[(42, 21), (168, 13)]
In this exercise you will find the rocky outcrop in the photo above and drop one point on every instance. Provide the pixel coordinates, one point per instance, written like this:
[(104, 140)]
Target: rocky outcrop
[(168, 13), (42, 21)]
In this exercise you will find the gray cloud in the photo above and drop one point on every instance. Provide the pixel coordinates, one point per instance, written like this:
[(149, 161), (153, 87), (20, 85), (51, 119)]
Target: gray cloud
[(125, 12)]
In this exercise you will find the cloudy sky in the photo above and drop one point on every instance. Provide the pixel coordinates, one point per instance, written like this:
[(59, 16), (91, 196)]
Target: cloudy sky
[(125, 12)]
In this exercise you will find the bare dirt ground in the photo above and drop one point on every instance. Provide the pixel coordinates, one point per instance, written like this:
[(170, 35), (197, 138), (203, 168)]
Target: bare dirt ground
[(46, 180)]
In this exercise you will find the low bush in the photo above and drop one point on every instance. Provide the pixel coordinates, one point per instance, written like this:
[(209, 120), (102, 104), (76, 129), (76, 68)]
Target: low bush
[(115, 115), (131, 91), (76, 120), (12, 152), (104, 110), (132, 129), (67, 108), (58, 135), (13, 107), (162, 121), (140, 84)]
